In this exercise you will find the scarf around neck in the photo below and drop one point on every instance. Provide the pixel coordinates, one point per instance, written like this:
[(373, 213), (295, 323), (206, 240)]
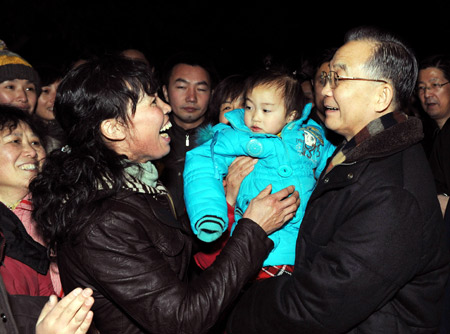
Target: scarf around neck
[(144, 172)]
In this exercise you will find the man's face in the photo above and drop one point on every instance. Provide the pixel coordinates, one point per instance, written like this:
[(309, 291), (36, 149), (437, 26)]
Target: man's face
[(188, 93), (435, 99), (350, 106)]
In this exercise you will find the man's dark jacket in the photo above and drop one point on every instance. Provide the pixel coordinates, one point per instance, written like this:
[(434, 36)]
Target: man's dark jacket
[(372, 255)]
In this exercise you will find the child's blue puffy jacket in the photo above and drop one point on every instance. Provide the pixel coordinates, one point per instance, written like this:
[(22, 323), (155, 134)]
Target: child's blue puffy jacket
[(296, 157)]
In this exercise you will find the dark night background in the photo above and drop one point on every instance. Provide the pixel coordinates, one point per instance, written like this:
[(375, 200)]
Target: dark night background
[(236, 34)]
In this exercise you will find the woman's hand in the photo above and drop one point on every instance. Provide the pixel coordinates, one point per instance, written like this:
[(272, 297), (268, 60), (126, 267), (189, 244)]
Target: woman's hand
[(271, 211), (238, 170), (71, 315)]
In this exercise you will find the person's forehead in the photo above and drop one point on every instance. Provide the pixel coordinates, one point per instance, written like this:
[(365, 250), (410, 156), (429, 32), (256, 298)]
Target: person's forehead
[(18, 81), (20, 128), (190, 73), (431, 74), (351, 55)]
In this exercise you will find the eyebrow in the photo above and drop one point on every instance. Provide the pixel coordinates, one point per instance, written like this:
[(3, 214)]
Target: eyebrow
[(263, 103), (189, 82), (340, 66), (431, 80)]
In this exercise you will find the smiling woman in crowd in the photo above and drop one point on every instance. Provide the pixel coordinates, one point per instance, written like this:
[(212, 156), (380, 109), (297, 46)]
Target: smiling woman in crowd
[(111, 221)]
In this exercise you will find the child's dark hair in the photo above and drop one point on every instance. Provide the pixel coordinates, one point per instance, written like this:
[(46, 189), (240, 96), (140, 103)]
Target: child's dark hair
[(279, 78)]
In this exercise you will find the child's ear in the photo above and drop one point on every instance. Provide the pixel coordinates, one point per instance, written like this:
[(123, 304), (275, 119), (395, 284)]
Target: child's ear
[(292, 115)]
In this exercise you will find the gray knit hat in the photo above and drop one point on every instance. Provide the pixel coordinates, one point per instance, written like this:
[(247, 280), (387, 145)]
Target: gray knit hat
[(13, 66)]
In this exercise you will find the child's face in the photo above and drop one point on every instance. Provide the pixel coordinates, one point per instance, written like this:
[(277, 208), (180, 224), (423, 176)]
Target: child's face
[(265, 111), (229, 105)]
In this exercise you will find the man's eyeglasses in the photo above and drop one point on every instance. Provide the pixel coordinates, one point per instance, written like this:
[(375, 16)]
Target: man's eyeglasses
[(434, 87), (333, 78)]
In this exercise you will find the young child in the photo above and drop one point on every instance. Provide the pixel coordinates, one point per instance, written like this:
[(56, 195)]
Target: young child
[(291, 150)]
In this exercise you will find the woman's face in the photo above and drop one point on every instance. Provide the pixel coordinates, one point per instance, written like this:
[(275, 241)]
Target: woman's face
[(229, 105), (18, 93), (146, 139), (21, 157), (44, 107)]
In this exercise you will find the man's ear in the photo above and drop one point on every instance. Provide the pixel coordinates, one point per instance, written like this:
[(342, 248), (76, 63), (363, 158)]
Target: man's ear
[(384, 98), (113, 129), (292, 116)]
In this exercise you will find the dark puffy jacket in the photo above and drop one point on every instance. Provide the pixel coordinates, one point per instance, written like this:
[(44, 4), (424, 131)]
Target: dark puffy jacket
[(171, 166), (135, 256), (372, 255)]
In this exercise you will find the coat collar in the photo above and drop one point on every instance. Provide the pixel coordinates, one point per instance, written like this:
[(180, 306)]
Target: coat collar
[(20, 245), (383, 136)]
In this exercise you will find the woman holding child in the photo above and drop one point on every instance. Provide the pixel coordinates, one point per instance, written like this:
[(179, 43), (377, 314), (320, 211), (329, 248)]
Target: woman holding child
[(111, 222)]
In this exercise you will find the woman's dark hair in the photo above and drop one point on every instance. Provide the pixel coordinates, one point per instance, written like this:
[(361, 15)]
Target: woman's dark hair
[(10, 117), (103, 88), (230, 88), (49, 74), (279, 77), (391, 59)]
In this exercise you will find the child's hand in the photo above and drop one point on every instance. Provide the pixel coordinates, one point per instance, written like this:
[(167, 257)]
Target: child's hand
[(238, 170)]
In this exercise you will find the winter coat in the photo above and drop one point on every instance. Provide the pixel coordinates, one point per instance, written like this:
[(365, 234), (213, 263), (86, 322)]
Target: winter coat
[(19, 313), (171, 166), (134, 254), (440, 159), (25, 267), (296, 157), (24, 211), (372, 255)]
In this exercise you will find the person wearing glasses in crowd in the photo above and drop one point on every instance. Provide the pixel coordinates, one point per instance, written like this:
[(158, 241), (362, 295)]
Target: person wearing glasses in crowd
[(378, 260), (433, 90)]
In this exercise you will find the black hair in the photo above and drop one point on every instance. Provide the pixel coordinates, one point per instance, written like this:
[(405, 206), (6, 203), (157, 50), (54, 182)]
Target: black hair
[(192, 59), (231, 88), (103, 88), (281, 78), (49, 74), (11, 116), (391, 60), (439, 61)]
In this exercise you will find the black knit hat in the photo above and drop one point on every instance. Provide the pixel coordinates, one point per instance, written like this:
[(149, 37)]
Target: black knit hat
[(13, 66)]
